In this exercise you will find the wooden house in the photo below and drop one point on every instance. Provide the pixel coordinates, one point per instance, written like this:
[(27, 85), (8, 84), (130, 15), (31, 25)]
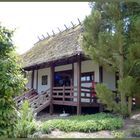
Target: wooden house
[(58, 67)]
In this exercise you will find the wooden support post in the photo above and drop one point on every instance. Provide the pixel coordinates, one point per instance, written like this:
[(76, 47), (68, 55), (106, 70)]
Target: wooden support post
[(100, 74), (71, 90), (72, 82), (63, 93), (79, 86), (51, 88), (37, 80), (91, 96), (32, 79)]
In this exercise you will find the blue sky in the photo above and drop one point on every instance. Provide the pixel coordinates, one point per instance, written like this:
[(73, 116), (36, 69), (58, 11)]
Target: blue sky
[(32, 19)]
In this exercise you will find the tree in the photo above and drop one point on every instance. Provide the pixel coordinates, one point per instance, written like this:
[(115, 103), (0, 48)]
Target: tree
[(11, 82), (111, 38)]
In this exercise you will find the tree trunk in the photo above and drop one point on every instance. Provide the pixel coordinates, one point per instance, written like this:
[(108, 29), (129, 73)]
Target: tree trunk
[(121, 76), (129, 105)]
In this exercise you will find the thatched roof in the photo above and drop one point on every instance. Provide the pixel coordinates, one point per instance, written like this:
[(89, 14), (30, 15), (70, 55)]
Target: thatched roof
[(62, 45)]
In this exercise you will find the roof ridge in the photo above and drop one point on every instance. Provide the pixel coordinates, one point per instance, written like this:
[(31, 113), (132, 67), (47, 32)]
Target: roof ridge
[(66, 29)]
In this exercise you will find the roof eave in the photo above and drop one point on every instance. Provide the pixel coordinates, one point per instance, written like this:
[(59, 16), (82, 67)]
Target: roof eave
[(60, 61)]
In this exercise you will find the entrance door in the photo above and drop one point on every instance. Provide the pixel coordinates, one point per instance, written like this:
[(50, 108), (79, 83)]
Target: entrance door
[(63, 78)]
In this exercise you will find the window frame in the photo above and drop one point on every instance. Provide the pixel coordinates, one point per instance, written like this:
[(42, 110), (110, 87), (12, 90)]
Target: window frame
[(86, 74), (44, 82)]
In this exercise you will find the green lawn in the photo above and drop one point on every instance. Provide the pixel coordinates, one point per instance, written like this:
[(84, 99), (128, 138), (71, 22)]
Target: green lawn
[(84, 123)]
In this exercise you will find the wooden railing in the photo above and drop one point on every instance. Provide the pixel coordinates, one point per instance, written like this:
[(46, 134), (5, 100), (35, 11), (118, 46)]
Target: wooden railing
[(27, 95), (88, 94), (37, 101), (40, 101), (64, 93), (70, 93)]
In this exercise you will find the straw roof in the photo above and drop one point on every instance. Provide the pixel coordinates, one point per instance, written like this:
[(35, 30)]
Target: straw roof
[(62, 45)]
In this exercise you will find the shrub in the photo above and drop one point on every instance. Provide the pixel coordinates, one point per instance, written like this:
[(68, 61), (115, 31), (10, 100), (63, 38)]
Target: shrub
[(26, 124), (84, 123), (11, 82)]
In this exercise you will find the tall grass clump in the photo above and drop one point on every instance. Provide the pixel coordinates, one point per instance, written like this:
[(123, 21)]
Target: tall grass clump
[(26, 123)]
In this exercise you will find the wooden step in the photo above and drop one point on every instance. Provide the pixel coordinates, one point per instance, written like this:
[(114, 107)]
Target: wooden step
[(41, 107), (37, 102)]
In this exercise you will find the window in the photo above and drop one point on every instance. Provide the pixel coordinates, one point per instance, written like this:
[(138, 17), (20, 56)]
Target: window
[(87, 77), (44, 79), (62, 78)]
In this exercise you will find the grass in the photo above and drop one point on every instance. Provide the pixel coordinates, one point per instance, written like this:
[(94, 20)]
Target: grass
[(84, 123), (135, 131), (118, 134)]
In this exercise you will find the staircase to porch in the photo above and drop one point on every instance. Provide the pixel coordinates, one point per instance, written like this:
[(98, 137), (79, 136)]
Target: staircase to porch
[(37, 102)]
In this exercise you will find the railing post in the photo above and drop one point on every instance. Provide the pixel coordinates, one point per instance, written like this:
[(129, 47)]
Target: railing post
[(37, 80), (91, 95), (32, 79), (71, 94), (63, 93)]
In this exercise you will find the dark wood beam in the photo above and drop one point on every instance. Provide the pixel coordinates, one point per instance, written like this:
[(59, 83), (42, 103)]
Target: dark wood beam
[(32, 79), (51, 88), (90, 104), (68, 103), (100, 74), (72, 74), (79, 86), (57, 62), (37, 80)]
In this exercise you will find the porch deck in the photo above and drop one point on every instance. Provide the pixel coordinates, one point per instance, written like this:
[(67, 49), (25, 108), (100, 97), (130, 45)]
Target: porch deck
[(60, 96)]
